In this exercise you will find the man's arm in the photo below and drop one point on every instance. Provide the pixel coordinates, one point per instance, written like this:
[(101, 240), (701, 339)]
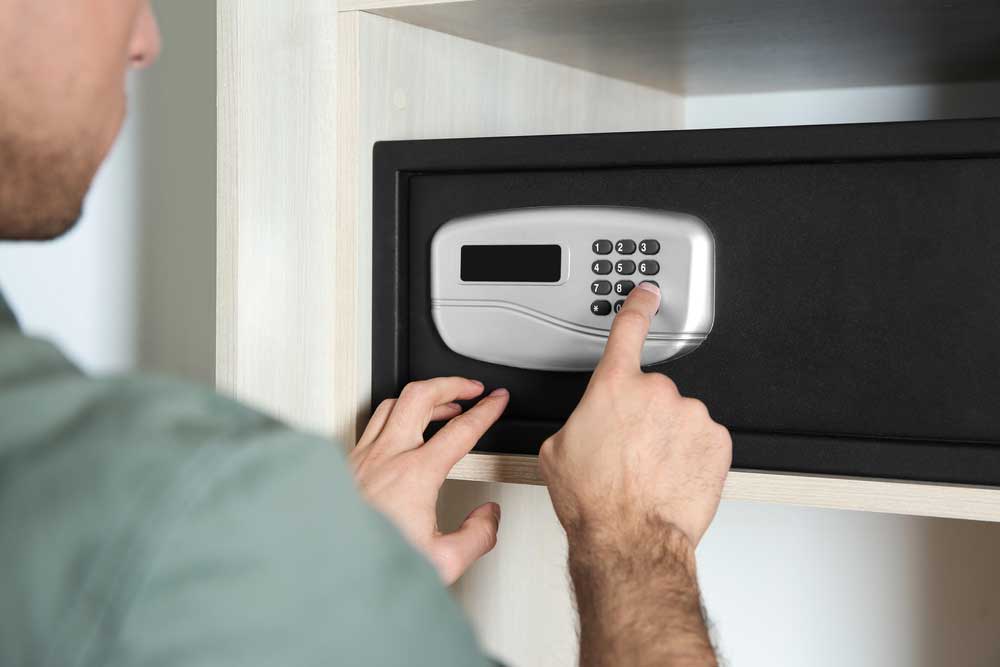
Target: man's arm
[(635, 477)]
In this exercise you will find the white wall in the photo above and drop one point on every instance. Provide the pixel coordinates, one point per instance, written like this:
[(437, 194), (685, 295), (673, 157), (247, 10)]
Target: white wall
[(132, 285)]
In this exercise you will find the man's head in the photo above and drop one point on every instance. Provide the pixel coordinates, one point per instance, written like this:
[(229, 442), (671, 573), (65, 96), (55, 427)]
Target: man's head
[(62, 102)]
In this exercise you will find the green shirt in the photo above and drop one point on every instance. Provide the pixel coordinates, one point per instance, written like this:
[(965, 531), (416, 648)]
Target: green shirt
[(144, 521)]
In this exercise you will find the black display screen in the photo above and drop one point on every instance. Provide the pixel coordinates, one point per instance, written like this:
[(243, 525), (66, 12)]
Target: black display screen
[(511, 263)]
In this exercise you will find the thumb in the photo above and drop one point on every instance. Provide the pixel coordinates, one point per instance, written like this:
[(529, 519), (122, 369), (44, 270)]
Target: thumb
[(455, 552)]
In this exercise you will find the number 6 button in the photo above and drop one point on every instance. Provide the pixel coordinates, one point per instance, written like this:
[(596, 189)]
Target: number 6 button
[(649, 267)]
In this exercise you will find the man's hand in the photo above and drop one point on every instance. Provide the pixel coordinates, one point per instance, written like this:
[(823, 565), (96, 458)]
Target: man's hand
[(635, 476), (401, 475)]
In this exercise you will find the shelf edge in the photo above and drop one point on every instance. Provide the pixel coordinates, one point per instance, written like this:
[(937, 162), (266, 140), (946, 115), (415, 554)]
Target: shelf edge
[(954, 501)]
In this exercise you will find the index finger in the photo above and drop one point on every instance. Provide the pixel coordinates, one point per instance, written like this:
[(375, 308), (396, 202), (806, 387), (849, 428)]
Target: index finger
[(460, 435), (415, 406), (628, 332)]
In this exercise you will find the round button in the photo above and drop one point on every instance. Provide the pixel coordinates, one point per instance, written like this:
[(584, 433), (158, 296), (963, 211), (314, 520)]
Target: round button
[(623, 287), (625, 247), (649, 246), (625, 267), (600, 307), (601, 267), (649, 267), (601, 287), (602, 247)]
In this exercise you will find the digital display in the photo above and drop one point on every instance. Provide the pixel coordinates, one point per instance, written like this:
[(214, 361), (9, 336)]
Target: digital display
[(511, 263)]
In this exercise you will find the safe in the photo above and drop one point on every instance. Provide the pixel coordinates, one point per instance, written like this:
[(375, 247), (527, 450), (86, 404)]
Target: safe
[(831, 293)]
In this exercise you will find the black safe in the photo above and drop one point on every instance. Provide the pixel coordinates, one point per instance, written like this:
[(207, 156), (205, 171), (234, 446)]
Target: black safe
[(857, 288)]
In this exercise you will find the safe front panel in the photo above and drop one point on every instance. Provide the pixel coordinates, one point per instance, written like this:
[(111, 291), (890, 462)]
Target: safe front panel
[(857, 305)]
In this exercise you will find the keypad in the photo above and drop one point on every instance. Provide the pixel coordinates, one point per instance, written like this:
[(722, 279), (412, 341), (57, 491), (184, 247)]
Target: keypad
[(601, 307), (623, 287), (622, 266), (603, 247), (601, 287), (649, 267), (601, 267), (648, 246), (625, 267), (625, 247)]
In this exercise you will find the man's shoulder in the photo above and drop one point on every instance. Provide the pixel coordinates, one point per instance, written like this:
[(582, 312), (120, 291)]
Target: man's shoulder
[(141, 515)]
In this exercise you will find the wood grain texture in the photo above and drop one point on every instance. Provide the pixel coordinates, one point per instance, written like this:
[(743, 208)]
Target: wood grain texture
[(873, 495), (696, 47), (366, 5), (276, 281)]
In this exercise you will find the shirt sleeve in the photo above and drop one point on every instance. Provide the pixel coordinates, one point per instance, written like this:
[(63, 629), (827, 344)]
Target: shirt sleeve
[(266, 555)]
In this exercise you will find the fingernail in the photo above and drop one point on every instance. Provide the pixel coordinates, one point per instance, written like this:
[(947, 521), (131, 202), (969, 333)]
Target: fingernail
[(499, 391), (496, 510), (481, 385), (454, 406), (649, 287)]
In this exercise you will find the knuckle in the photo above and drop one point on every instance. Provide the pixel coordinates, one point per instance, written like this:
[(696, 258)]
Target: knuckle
[(696, 408), (663, 385), (546, 454), (385, 405), (469, 422), (416, 390)]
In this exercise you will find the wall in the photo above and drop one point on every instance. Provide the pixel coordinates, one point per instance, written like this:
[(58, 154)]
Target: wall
[(131, 286)]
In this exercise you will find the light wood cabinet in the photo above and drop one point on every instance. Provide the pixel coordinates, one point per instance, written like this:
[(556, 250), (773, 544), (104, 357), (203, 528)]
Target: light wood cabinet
[(306, 87)]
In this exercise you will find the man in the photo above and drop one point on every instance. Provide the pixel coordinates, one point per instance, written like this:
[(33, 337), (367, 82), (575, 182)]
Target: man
[(147, 522)]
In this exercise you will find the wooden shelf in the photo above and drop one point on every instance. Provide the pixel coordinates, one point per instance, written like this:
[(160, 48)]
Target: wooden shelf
[(872, 495), (699, 47)]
